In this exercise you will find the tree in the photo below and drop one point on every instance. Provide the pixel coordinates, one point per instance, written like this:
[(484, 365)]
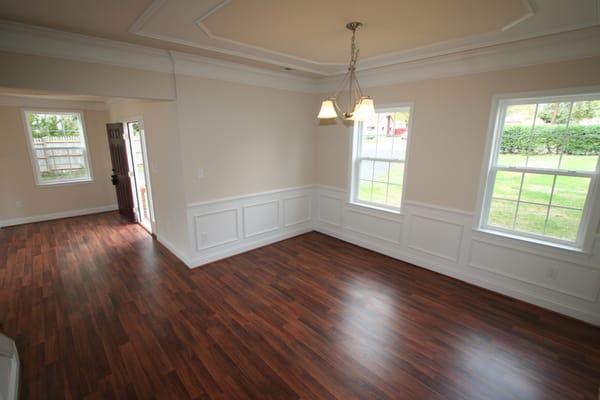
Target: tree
[(558, 113), (53, 124)]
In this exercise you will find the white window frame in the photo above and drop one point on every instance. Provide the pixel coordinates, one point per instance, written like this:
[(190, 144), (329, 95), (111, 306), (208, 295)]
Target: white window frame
[(353, 171), (591, 211), (32, 154)]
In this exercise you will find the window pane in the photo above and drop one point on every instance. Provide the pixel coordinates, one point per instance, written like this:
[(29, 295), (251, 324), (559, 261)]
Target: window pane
[(549, 136), (502, 213), (383, 139), (518, 124), (507, 185), (394, 195), (366, 170), (563, 223), (364, 190), (379, 193), (368, 145), (385, 144), (531, 218), (583, 142), (59, 146), (381, 171), (570, 191), (397, 173), (537, 188)]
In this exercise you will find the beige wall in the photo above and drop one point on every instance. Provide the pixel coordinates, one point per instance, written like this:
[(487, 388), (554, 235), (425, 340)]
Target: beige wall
[(164, 158), (17, 180), (55, 74), (246, 139), (450, 125)]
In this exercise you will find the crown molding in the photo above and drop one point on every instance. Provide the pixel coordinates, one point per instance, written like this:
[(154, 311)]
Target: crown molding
[(579, 44), (28, 39), (224, 45), (205, 67), (57, 104)]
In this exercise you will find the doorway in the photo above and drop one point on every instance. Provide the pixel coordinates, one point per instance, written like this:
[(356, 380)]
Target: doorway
[(138, 167), (127, 143)]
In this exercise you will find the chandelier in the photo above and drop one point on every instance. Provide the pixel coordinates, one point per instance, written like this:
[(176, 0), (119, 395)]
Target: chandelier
[(359, 107)]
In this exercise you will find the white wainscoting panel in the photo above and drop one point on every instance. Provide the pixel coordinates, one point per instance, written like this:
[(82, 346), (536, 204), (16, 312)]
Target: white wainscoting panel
[(225, 227), (330, 209), (372, 224), (216, 228), (435, 237), (444, 240), (564, 277), (297, 210), (261, 218)]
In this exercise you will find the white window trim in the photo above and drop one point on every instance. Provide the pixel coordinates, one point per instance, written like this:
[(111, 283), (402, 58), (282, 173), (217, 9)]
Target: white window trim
[(353, 165), (591, 213), (33, 157)]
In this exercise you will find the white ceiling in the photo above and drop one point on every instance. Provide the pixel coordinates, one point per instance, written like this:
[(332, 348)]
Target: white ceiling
[(309, 35)]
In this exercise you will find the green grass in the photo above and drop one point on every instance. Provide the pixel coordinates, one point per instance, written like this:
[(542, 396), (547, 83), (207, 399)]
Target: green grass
[(568, 162), (382, 193), (67, 174), (564, 210)]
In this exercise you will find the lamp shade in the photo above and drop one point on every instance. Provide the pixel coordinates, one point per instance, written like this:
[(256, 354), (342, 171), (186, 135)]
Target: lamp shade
[(364, 109), (327, 110)]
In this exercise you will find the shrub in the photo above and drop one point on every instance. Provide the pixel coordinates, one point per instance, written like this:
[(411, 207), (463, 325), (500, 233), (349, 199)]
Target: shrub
[(582, 140)]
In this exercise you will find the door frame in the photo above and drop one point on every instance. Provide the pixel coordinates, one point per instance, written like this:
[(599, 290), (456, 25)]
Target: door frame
[(140, 121)]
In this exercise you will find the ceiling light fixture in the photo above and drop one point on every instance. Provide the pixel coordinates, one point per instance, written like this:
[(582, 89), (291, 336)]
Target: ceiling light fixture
[(359, 107)]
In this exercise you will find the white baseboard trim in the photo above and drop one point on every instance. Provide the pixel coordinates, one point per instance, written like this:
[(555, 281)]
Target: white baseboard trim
[(57, 215), (398, 254), (239, 248), (174, 249)]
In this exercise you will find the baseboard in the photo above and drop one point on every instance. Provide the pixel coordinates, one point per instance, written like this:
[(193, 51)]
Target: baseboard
[(455, 273), (177, 252), (58, 215), (243, 247)]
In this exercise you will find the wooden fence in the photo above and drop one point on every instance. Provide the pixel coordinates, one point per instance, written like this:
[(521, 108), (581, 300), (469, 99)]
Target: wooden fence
[(59, 153)]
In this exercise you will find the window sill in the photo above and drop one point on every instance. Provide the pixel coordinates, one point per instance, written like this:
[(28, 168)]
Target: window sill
[(528, 240), (64, 183), (372, 207)]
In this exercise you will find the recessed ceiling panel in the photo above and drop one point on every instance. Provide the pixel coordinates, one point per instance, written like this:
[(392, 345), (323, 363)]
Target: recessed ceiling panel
[(314, 29)]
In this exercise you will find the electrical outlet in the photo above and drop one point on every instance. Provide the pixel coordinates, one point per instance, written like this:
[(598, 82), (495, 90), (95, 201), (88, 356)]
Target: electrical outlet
[(200, 173), (203, 237), (19, 204), (551, 273)]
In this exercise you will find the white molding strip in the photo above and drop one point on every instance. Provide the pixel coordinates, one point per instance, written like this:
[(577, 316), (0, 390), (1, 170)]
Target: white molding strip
[(205, 67), (39, 102), (27, 39), (57, 215), (35, 40), (547, 49)]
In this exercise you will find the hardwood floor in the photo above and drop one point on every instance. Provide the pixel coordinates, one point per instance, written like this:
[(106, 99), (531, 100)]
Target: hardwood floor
[(101, 310)]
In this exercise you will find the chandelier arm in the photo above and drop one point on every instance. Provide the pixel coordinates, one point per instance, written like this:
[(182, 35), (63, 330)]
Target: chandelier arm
[(341, 85)]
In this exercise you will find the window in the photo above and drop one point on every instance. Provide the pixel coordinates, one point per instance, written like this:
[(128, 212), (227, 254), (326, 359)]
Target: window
[(379, 155), (541, 182), (58, 147)]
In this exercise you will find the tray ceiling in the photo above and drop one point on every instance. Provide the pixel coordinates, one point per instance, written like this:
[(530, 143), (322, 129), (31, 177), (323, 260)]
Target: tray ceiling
[(309, 35)]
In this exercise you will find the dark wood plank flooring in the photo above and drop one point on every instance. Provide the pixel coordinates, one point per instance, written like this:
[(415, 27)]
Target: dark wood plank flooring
[(101, 310)]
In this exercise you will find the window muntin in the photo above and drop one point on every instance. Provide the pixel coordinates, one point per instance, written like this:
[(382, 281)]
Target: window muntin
[(544, 167), (380, 148), (58, 147)]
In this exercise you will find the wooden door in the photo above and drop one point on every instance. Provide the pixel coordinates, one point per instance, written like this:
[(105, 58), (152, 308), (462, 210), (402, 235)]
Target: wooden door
[(120, 170)]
